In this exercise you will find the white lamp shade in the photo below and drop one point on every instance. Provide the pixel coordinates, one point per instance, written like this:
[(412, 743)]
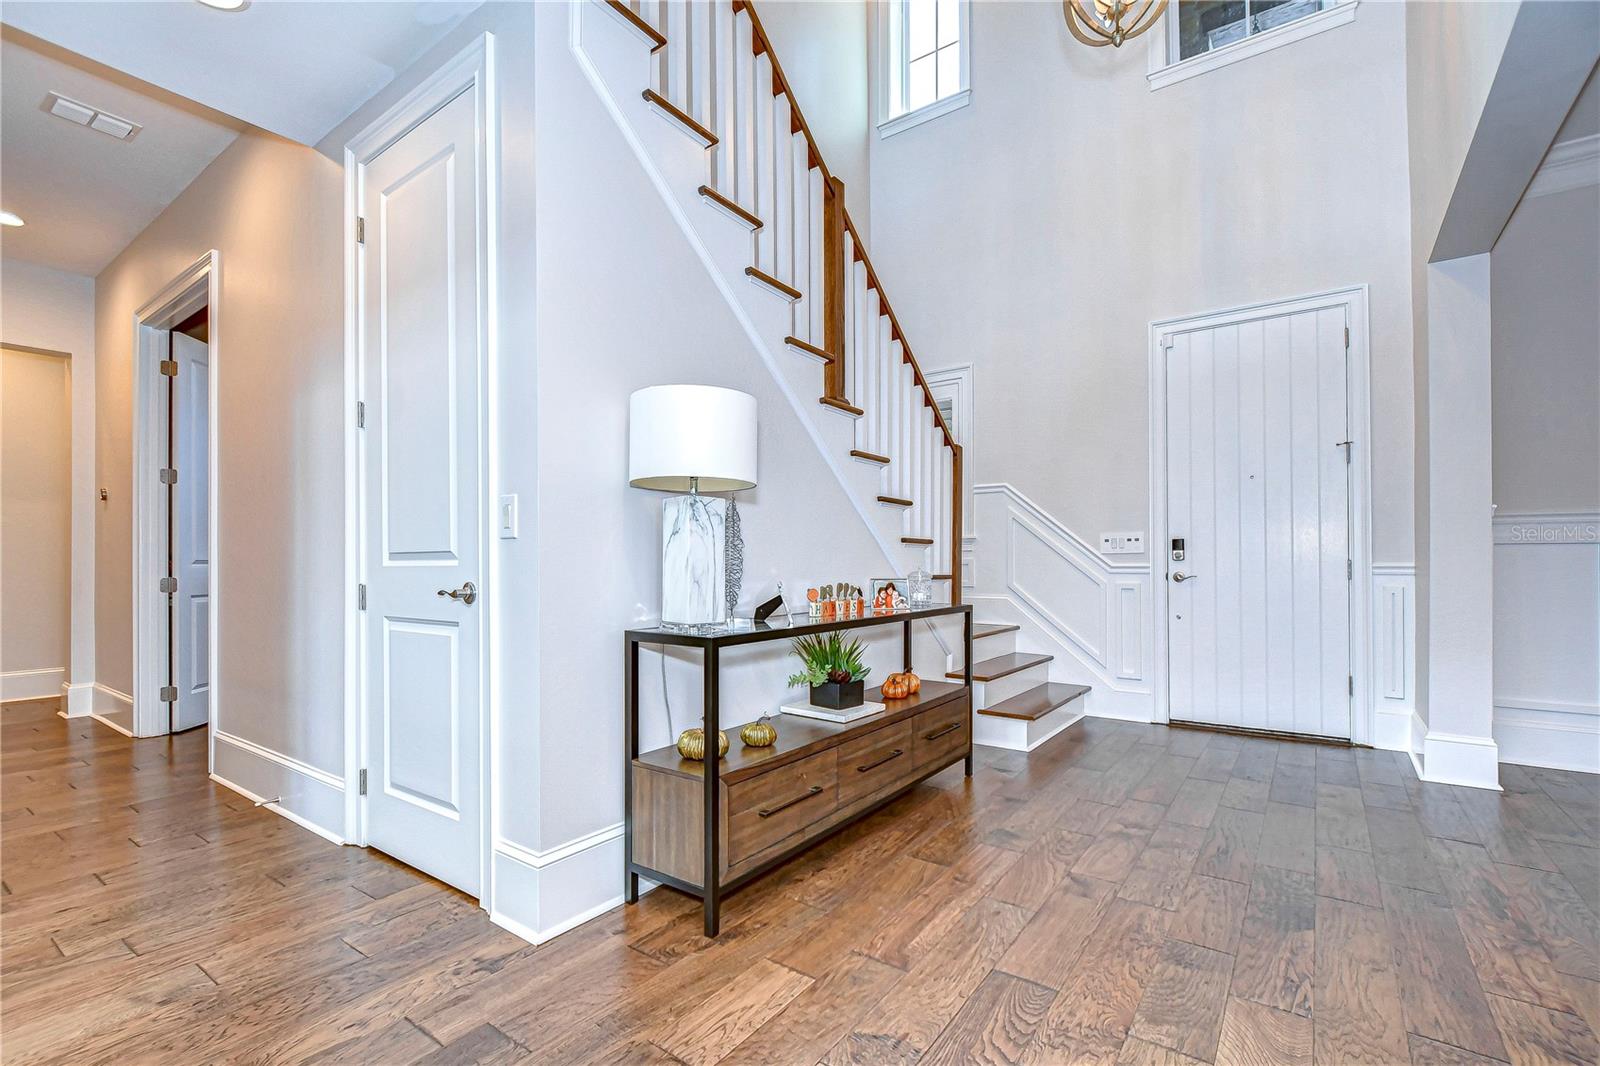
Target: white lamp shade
[(680, 432)]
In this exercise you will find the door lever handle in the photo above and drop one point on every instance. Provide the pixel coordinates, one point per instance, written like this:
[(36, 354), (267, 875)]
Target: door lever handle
[(466, 593), (1180, 577)]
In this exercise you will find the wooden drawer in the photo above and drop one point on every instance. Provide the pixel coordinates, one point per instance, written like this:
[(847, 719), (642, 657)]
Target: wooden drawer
[(939, 733), (770, 806), (875, 761)]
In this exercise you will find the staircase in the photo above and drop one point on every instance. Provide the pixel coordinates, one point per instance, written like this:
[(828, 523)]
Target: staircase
[(699, 93), (1018, 707)]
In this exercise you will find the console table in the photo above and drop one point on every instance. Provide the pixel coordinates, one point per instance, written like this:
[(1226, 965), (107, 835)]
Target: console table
[(708, 834)]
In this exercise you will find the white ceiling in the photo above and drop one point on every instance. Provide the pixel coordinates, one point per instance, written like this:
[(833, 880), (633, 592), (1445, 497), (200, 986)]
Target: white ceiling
[(85, 195), (293, 67)]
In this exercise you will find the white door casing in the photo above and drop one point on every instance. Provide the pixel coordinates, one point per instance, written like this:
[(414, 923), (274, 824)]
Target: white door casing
[(191, 551), (1258, 485), (422, 365)]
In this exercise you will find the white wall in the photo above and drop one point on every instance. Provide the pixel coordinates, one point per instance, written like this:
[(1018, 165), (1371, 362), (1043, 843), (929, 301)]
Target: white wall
[(272, 208), (45, 308), (822, 46), (1038, 231), (1546, 398), (35, 512)]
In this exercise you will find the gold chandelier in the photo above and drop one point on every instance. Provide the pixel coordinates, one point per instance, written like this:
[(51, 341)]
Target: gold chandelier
[(1098, 23)]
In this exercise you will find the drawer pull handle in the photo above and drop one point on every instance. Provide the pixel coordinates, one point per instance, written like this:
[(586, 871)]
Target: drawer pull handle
[(895, 754), (937, 733), (768, 812)]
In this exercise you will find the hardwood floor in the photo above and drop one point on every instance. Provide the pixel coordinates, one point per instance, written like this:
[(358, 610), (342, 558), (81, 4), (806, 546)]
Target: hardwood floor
[(1126, 894)]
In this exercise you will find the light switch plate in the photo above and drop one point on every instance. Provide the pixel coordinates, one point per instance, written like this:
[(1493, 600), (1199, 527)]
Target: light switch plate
[(1122, 543), (508, 516)]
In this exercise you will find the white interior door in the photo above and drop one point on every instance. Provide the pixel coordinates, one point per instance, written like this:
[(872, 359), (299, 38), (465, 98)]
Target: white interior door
[(1258, 490), (423, 496), (191, 565)]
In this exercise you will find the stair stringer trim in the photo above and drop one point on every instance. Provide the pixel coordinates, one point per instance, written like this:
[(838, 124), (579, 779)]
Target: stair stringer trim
[(802, 409)]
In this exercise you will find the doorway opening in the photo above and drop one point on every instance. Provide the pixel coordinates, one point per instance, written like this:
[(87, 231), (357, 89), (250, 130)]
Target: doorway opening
[(175, 505)]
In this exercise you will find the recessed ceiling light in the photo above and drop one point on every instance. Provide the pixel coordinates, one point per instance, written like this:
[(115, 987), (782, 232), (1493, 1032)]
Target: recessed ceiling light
[(227, 5), (8, 219)]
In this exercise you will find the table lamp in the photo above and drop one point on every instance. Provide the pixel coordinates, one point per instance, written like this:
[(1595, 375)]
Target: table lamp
[(694, 439)]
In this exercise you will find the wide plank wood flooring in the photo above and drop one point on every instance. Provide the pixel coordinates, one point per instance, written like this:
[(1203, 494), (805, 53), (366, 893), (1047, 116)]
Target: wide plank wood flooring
[(1125, 894)]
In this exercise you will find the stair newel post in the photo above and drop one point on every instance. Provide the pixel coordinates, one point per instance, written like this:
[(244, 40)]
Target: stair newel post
[(833, 285), (955, 526)]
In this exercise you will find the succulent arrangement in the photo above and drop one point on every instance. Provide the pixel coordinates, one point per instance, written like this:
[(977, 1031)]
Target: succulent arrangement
[(829, 658)]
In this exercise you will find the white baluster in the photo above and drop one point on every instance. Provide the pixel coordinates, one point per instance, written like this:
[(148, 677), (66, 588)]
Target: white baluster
[(868, 367), (722, 85), (803, 252), (765, 184), (745, 99), (817, 305), (854, 315), (781, 218), (700, 69), (655, 13), (677, 50)]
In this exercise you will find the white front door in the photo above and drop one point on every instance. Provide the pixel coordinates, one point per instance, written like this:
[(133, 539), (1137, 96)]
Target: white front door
[(191, 565), (422, 495), (1258, 491)]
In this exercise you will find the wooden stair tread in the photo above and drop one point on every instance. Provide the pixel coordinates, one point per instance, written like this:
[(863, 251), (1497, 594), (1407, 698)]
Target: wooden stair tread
[(897, 501), (870, 456), (762, 277), (671, 110), (989, 629), (916, 540), (1002, 666), (653, 35), (841, 405), (729, 206), (1037, 702), (811, 349)]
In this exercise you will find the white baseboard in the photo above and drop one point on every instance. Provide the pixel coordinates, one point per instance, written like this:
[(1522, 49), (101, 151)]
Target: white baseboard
[(32, 684), (1548, 733), (1452, 759), (542, 894), (1392, 730), (302, 793), (78, 699)]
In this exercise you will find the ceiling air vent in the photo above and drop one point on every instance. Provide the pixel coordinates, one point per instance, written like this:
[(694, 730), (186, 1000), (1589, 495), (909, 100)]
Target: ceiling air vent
[(81, 114)]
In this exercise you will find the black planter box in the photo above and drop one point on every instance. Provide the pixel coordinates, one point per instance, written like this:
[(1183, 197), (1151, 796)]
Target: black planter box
[(839, 696)]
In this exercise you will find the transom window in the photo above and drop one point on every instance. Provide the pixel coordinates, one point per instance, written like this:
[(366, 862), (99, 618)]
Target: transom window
[(1204, 25), (925, 52)]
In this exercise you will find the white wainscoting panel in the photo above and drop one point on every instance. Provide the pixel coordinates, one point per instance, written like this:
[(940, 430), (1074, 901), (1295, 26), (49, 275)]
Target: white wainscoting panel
[(1547, 640), (1091, 613), (1394, 642)]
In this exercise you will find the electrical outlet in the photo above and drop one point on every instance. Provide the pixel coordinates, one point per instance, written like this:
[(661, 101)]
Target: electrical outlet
[(1122, 543)]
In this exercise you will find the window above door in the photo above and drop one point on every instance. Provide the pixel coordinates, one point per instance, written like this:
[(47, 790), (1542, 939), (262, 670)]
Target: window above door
[(924, 61), (1197, 36)]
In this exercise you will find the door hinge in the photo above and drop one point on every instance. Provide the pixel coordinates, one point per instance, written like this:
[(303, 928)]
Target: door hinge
[(169, 585), (1351, 679), (169, 693), (169, 368), (361, 597), (361, 230), (361, 783), (1349, 569), (169, 475), (361, 415), (1347, 338)]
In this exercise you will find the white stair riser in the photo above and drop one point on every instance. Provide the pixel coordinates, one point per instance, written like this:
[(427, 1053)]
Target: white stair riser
[(1020, 735), (989, 693), (998, 644)]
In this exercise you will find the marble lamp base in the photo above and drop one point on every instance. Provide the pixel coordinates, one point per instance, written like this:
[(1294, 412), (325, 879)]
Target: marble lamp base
[(693, 561)]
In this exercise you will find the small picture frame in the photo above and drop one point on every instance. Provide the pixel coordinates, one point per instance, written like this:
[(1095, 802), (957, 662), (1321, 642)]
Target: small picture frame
[(889, 595)]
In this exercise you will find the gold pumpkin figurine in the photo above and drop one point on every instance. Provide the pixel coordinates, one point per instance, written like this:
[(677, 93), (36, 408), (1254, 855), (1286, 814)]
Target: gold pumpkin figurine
[(760, 733), (692, 744)]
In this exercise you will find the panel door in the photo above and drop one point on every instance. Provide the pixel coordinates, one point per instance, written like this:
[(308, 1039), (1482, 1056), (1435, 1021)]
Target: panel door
[(422, 464), (1258, 489), (191, 563)]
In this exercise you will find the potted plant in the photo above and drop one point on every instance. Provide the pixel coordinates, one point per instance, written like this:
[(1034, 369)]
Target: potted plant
[(833, 668)]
